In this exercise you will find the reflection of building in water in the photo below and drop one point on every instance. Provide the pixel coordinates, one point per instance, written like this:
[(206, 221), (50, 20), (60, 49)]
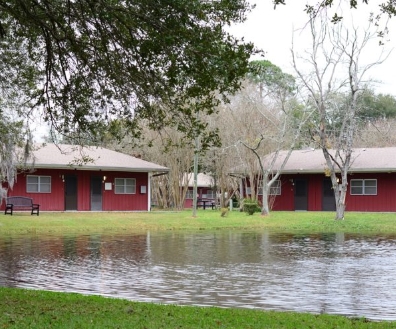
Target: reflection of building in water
[(22, 255), (207, 248), (126, 247)]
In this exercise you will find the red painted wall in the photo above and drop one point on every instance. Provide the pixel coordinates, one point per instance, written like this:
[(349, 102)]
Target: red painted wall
[(385, 200), (138, 201), (55, 201), (285, 201), (188, 203)]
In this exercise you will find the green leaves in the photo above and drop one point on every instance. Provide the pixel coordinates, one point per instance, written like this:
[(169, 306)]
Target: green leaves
[(109, 59)]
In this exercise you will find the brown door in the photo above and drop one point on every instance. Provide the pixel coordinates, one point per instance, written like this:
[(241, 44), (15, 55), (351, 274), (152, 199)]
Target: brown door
[(70, 193), (300, 194)]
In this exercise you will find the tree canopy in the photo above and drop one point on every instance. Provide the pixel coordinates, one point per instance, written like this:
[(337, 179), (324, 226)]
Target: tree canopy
[(387, 7), (94, 60)]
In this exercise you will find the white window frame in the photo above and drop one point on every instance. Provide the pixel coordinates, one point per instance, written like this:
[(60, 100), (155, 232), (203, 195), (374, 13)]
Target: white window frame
[(189, 194), (122, 183), (364, 187), (275, 189), (40, 184)]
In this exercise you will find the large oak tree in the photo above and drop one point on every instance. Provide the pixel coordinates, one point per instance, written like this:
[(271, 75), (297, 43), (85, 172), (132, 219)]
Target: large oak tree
[(84, 63), (94, 60)]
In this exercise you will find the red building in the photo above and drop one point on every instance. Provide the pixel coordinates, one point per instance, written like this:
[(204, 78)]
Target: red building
[(65, 177), (205, 188), (303, 184)]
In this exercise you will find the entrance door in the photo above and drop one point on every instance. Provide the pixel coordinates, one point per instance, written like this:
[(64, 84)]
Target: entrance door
[(328, 201), (300, 194), (70, 193), (96, 193)]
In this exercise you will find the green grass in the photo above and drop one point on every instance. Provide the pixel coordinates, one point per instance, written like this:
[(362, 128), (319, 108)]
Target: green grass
[(102, 222), (20, 308)]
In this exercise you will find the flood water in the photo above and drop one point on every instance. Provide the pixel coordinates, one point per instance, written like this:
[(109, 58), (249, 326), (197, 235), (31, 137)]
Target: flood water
[(352, 275)]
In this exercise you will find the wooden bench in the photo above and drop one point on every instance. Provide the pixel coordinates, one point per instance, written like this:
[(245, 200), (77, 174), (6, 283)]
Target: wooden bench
[(21, 202)]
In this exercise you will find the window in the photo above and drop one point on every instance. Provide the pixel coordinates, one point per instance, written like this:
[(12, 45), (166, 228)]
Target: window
[(260, 187), (189, 194), (363, 187), (38, 184), (275, 188), (210, 194), (125, 186)]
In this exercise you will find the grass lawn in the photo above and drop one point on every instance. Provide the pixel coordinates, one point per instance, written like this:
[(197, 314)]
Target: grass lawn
[(86, 222), (20, 308)]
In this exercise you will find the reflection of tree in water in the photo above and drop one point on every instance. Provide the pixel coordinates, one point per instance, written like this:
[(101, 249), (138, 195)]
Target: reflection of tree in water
[(308, 245), (9, 262)]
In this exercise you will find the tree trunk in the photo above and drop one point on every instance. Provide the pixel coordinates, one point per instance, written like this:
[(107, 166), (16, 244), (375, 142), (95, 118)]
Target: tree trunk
[(340, 207), (265, 207)]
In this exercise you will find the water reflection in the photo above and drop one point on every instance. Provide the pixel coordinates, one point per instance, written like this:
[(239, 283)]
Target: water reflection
[(332, 273)]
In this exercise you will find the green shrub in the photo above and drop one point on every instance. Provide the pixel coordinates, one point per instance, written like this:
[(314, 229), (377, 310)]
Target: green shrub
[(224, 212), (250, 206)]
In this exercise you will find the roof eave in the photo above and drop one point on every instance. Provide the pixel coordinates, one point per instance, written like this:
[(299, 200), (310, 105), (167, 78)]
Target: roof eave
[(98, 168), (351, 171), (321, 171)]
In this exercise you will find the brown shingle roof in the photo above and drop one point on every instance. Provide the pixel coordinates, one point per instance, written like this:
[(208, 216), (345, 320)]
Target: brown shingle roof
[(71, 156)]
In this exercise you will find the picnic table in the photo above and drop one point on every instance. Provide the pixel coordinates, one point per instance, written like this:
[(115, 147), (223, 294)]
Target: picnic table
[(206, 202)]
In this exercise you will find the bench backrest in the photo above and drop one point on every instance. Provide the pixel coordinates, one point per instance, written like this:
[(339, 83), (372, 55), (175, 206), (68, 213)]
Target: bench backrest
[(20, 201)]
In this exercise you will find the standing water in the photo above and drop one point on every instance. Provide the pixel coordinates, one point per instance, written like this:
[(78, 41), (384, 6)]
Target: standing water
[(352, 275)]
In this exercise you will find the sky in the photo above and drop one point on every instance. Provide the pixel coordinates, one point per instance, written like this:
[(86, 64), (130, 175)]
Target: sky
[(272, 31)]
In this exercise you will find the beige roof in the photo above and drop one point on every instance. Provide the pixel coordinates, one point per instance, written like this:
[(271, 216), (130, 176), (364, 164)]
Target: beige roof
[(364, 160), (98, 158), (203, 180)]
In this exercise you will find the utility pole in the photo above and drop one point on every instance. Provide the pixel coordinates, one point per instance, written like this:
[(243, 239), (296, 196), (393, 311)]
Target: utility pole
[(195, 187)]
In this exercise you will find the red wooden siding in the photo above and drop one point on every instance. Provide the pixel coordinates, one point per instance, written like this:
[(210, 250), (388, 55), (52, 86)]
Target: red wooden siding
[(385, 200), (188, 203), (285, 201), (55, 201), (138, 201), (48, 201)]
